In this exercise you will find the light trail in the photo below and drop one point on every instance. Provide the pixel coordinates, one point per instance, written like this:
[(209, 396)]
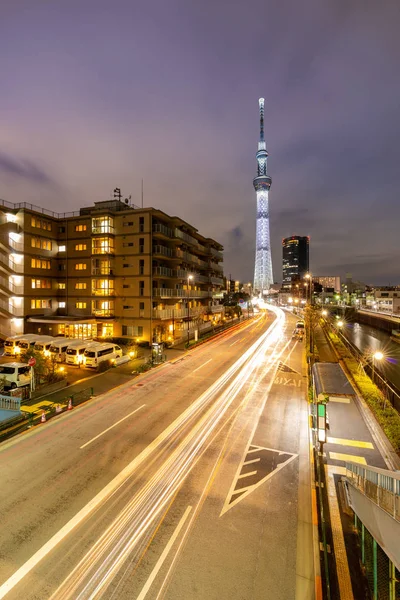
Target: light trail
[(95, 571)]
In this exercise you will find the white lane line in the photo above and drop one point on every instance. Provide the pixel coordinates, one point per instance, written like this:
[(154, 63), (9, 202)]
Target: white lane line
[(234, 343), (108, 428), (164, 555), (249, 462), (203, 365), (247, 474)]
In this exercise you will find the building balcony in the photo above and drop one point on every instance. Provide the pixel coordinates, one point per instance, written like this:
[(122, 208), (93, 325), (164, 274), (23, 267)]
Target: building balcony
[(162, 231), (9, 287), (10, 265), (98, 271), (185, 237), (217, 308), (163, 272), (170, 293), (216, 253), (103, 229), (103, 292), (217, 281), (103, 312), (214, 267), (178, 313), (107, 250), (162, 251)]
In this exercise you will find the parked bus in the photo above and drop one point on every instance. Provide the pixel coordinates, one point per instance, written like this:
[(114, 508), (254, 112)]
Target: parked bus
[(9, 345), (59, 347), (96, 354), (43, 344), (23, 342), (76, 350)]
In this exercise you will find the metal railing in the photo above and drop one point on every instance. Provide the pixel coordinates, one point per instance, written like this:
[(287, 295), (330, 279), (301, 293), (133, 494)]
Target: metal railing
[(216, 280), (102, 271), (38, 209), (103, 229), (10, 403), (379, 485), (159, 228), (178, 293), (185, 237), (178, 313), (14, 289), (216, 253), (164, 250), (215, 267), (163, 271)]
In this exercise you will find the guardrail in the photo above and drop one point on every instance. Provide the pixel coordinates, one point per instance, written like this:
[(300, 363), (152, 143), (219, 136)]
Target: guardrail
[(379, 485)]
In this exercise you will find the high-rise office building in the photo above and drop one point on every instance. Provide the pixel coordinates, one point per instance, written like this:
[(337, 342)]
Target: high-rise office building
[(109, 270), (295, 258), (262, 183)]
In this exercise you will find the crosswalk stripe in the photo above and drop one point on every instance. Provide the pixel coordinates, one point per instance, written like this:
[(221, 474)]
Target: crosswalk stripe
[(347, 458), (354, 443)]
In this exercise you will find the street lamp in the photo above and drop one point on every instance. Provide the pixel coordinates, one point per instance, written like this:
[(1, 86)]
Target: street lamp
[(309, 277), (340, 323), (324, 313), (376, 356), (188, 309)]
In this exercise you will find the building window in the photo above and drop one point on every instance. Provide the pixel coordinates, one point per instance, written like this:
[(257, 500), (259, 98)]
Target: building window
[(141, 267), (40, 263), (102, 245), (141, 288), (80, 305), (103, 225), (141, 224), (126, 265), (61, 248), (141, 305), (127, 307), (41, 243), (127, 224), (127, 244), (80, 247), (61, 286), (80, 227), (141, 245), (80, 286), (40, 224), (132, 331), (126, 285), (80, 267), (61, 230), (103, 287), (40, 284), (62, 267), (61, 305), (40, 303)]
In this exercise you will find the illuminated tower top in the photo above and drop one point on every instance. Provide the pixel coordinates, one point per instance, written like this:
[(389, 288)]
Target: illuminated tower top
[(263, 180)]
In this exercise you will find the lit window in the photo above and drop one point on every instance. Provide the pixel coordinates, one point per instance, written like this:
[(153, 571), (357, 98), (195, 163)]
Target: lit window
[(80, 227), (80, 305), (61, 304), (61, 286), (80, 247), (80, 286), (80, 266), (61, 248)]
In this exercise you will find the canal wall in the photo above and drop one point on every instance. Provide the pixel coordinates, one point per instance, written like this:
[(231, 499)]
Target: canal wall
[(378, 321)]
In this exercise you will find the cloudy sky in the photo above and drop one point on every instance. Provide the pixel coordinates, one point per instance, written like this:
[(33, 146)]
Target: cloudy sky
[(97, 94)]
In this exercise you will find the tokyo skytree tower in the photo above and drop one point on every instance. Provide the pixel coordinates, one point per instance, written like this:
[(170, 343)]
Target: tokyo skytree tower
[(262, 183)]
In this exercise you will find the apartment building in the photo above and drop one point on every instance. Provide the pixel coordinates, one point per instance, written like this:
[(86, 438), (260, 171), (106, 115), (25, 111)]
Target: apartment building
[(110, 270)]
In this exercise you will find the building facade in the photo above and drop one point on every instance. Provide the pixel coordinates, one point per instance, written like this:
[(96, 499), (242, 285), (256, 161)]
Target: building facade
[(295, 259), (329, 282), (262, 184), (110, 270)]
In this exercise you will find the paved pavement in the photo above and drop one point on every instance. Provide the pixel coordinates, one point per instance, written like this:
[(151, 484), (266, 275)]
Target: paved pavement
[(183, 483)]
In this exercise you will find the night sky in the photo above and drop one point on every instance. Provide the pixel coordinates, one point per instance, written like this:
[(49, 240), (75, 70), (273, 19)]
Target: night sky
[(97, 94)]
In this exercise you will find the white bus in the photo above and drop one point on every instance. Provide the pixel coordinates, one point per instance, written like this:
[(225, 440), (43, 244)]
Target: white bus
[(97, 353), (23, 342), (76, 350), (10, 343), (59, 347), (43, 344)]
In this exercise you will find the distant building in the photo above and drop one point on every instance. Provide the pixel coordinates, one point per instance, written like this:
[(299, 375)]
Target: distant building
[(329, 282), (387, 300), (295, 259), (349, 286)]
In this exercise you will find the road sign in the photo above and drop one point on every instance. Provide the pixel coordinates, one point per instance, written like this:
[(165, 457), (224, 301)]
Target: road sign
[(32, 362)]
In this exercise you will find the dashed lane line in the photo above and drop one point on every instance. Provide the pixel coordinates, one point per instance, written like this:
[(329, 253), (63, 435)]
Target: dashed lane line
[(353, 443), (347, 458)]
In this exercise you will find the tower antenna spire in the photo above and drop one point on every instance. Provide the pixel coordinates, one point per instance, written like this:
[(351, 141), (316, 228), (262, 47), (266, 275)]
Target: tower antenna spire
[(262, 184)]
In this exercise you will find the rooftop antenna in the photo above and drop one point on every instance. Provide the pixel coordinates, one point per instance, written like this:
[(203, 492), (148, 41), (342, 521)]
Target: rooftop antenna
[(117, 194), (142, 192)]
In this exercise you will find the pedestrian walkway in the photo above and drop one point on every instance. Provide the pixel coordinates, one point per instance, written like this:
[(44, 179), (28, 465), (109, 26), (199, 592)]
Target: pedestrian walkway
[(325, 352)]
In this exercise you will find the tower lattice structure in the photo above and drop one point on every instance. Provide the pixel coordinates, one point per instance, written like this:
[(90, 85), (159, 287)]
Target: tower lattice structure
[(262, 183)]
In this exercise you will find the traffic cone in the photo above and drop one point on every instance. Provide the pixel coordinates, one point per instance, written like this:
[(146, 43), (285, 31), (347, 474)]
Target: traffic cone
[(70, 404), (58, 408), (43, 417)]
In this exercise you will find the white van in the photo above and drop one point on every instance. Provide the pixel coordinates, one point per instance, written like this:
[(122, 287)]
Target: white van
[(76, 350), (59, 347), (9, 345), (43, 344), (23, 342), (97, 353), (16, 374)]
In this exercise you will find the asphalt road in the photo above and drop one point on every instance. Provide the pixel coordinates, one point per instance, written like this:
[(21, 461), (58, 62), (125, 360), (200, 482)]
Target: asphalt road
[(190, 483)]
